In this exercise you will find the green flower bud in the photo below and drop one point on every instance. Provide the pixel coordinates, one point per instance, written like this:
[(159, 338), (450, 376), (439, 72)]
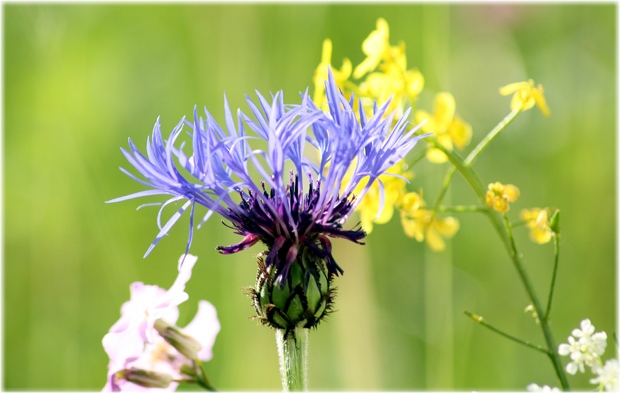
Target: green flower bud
[(304, 299), (188, 346), (554, 222), (145, 378)]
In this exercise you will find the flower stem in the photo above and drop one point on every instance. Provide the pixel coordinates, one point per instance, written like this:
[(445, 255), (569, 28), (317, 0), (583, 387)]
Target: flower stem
[(293, 355), (491, 135), (481, 321), (556, 252), (457, 209), (203, 380), (505, 233)]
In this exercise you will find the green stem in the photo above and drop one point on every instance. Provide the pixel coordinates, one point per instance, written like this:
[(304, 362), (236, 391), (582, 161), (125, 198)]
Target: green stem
[(293, 355), (456, 209), (416, 160), (203, 380), (505, 234), (491, 135), (556, 248), (481, 321), (544, 323)]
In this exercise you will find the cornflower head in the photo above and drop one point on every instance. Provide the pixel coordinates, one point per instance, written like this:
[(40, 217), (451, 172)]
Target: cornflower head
[(525, 96), (293, 213), (449, 128), (499, 195)]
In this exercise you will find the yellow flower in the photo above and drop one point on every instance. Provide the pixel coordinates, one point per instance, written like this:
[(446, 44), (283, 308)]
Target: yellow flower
[(375, 47), (448, 128), (394, 81), (525, 96), (320, 74), (537, 220), (499, 195), (393, 189), (420, 223)]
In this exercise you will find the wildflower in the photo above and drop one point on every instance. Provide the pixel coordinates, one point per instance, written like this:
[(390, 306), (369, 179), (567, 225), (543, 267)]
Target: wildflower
[(320, 74), (294, 219), (421, 224), (393, 80), (584, 347), (449, 129), (139, 356), (538, 222), (499, 195), (375, 47), (607, 378), (545, 388), (526, 96)]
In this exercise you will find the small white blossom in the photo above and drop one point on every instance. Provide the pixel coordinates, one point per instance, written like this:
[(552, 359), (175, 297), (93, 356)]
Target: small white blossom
[(607, 376), (545, 388), (584, 347)]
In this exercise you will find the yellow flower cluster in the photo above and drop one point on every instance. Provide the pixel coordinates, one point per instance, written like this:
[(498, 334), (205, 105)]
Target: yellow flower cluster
[(526, 96), (499, 195), (383, 75), (421, 224), (393, 191), (449, 129), (537, 220), (385, 71)]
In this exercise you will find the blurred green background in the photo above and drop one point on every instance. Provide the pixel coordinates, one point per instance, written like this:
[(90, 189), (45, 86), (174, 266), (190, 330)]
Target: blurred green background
[(80, 79)]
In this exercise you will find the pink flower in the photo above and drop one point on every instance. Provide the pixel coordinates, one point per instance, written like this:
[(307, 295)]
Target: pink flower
[(137, 351)]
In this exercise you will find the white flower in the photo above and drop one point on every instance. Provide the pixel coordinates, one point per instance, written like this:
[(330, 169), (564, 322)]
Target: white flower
[(607, 376), (584, 347), (545, 388)]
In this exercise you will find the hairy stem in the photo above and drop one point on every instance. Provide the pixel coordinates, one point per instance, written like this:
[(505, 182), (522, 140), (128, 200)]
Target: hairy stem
[(293, 355)]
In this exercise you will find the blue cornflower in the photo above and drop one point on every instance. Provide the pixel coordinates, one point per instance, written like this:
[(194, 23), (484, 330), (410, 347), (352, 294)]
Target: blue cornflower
[(291, 210)]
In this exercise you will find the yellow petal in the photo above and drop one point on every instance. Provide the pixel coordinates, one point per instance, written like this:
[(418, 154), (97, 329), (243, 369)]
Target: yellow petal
[(412, 229), (422, 116), (542, 219), (460, 132), (326, 53), (446, 226), (540, 235), (414, 82), (444, 108), (512, 87), (541, 103), (511, 192), (490, 198), (530, 216), (411, 202), (434, 241), (436, 156), (367, 65)]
